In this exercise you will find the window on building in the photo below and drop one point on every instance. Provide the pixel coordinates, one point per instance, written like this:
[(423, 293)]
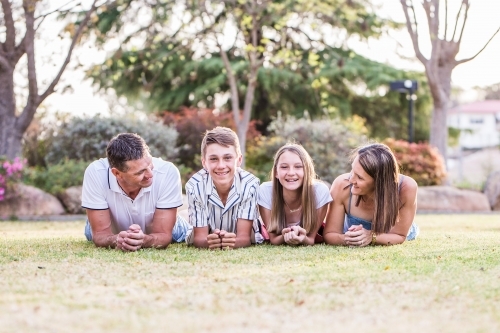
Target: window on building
[(476, 120)]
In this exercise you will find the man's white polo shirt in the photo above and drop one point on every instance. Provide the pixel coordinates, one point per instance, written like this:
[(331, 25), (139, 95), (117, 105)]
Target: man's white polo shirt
[(101, 191)]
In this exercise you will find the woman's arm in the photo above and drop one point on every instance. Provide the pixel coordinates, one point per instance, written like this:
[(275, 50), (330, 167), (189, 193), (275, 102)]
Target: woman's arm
[(407, 210), (334, 228)]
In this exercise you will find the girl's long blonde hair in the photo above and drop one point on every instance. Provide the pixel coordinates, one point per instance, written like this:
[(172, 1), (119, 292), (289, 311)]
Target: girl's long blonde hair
[(308, 197)]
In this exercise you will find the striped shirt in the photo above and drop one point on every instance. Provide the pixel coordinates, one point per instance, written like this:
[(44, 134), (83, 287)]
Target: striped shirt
[(205, 207)]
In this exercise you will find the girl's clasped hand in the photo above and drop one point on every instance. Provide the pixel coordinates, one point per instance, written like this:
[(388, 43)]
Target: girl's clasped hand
[(294, 235)]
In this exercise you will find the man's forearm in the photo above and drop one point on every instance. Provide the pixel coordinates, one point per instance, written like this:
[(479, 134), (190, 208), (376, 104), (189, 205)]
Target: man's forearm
[(108, 240), (157, 240)]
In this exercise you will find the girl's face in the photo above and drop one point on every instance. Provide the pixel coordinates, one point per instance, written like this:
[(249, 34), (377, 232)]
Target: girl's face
[(290, 171), (362, 183)]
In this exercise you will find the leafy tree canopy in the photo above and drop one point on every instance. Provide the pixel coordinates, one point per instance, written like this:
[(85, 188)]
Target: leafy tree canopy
[(173, 60)]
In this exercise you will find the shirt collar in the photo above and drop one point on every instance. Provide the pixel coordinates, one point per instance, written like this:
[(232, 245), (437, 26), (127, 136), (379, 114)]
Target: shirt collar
[(232, 198)]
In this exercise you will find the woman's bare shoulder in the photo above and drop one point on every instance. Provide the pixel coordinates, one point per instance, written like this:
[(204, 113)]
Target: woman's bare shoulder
[(339, 185), (409, 187)]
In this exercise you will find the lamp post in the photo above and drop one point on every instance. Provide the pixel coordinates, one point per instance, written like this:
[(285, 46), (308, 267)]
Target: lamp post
[(409, 87)]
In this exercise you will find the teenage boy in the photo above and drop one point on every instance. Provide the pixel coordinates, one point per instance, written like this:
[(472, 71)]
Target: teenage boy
[(222, 198), (132, 198)]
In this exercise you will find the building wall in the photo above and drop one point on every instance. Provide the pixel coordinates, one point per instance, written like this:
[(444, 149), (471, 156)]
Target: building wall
[(478, 130)]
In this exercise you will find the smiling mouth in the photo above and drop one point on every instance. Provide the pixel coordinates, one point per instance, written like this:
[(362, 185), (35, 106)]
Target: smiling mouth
[(291, 180), (222, 173)]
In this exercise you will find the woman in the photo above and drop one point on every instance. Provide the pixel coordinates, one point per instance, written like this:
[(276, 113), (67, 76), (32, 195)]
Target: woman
[(293, 204), (374, 203)]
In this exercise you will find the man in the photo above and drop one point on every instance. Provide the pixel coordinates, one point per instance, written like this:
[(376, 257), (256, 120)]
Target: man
[(222, 197), (131, 198)]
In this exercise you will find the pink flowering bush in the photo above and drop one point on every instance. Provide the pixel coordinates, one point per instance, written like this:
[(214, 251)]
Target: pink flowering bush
[(420, 161), (10, 173)]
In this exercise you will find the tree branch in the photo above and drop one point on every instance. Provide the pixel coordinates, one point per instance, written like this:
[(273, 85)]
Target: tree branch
[(300, 31), (469, 59), (4, 62), (433, 22), (43, 16), (445, 19), (456, 22), (413, 32), (20, 50), (10, 35), (29, 47), (76, 37), (467, 6)]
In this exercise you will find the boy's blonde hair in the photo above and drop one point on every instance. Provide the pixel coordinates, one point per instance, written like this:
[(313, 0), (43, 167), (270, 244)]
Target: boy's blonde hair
[(221, 135)]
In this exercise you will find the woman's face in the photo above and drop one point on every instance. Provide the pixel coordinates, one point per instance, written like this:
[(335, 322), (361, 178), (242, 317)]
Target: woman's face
[(290, 171), (362, 183)]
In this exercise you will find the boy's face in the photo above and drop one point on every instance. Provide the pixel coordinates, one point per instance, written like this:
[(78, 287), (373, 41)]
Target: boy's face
[(221, 163)]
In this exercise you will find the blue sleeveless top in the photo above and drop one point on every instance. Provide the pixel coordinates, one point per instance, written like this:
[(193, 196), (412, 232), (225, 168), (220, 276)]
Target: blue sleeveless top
[(350, 220)]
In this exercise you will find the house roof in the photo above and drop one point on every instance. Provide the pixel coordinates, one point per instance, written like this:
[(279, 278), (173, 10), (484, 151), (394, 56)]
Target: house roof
[(488, 106)]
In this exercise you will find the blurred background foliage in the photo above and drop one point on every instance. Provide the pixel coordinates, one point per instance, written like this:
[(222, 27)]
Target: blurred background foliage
[(305, 63), (165, 57), (328, 141)]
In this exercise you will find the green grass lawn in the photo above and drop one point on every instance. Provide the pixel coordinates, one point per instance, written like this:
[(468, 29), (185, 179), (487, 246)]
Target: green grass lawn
[(448, 280)]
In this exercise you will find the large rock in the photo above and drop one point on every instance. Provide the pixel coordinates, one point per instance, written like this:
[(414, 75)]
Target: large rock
[(492, 190), (450, 199), (30, 201), (71, 198)]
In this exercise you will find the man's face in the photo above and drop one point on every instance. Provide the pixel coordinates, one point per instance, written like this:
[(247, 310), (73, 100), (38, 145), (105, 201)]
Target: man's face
[(221, 163), (138, 175)]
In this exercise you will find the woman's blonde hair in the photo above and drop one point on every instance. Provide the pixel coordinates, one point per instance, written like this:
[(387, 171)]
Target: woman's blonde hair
[(379, 162), (308, 198)]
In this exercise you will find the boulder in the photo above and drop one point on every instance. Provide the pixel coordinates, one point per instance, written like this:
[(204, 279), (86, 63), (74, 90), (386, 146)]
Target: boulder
[(492, 190), (450, 200), (71, 198), (30, 201)]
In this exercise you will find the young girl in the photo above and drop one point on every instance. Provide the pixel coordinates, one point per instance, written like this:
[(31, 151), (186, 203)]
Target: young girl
[(293, 204), (374, 203)]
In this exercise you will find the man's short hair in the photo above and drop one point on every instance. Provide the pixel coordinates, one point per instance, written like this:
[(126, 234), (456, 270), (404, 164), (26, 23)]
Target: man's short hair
[(125, 147), (223, 136)]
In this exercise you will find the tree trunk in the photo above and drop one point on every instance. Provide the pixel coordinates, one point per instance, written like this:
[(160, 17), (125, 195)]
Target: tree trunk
[(439, 79), (439, 133), (11, 128), (10, 138), (442, 61), (242, 136), (12, 123)]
